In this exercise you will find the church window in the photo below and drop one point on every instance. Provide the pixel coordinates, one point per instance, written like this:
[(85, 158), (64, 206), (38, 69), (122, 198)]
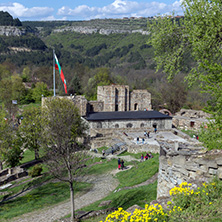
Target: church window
[(141, 125), (117, 126), (135, 106), (129, 125)]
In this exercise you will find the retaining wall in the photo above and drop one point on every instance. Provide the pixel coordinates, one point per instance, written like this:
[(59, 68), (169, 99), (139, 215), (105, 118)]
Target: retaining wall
[(186, 162)]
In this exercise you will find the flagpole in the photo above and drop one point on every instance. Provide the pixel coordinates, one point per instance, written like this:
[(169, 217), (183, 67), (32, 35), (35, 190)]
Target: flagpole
[(54, 71)]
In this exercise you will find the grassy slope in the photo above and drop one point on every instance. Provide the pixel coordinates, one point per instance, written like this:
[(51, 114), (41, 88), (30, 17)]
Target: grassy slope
[(43, 196), (52, 193)]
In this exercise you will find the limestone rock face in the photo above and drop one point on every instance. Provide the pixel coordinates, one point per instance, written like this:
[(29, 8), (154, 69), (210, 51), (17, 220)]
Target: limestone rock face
[(12, 31), (102, 31)]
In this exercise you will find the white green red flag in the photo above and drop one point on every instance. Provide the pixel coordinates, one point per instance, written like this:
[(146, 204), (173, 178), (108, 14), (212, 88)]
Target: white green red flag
[(58, 67)]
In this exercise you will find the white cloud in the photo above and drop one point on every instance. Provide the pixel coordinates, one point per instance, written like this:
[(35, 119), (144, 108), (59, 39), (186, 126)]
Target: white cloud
[(18, 10), (117, 9), (121, 8)]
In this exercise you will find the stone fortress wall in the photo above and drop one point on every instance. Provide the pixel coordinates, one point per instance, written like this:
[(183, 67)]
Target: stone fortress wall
[(190, 119), (114, 97), (186, 162), (110, 99), (140, 100)]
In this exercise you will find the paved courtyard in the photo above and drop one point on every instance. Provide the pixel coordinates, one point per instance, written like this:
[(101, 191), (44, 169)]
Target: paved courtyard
[(164, 135)]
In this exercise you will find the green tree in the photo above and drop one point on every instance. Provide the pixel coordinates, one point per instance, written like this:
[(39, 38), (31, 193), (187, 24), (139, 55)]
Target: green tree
[(4, 72), (173, 94), (39, 91), (18, 88), (3, 128), (44, 74), (198, 36), (31, 129), (12, 148), (11, 88), (10, 141), (63, 150), (26, 74), (101, 78), (6, 96)]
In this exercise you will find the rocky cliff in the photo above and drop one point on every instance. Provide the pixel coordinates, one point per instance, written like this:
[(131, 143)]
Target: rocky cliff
[(102, 31), (12, 31)]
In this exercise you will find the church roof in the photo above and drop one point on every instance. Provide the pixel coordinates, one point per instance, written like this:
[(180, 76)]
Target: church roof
[(120, 115)]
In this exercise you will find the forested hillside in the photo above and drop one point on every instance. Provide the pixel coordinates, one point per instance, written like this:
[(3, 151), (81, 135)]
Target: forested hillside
[(89, 58)]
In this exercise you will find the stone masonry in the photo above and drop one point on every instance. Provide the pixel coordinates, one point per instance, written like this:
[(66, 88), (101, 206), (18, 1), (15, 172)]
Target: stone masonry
[(186, 162), (140, 100), (119, 98), (114, 97), (190, 119), (111, 98)]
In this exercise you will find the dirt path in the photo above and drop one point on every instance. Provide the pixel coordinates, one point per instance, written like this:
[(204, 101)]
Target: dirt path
[(102, 186)]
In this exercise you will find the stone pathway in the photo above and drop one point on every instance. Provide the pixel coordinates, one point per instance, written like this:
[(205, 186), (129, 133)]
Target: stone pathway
[(102, 186)]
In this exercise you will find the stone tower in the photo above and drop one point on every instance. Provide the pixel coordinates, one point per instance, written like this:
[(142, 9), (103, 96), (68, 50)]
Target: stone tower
[(140, 99), (114, 97)]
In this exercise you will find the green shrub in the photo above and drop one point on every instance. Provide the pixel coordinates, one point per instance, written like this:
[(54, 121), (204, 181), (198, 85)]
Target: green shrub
[(35, 171)]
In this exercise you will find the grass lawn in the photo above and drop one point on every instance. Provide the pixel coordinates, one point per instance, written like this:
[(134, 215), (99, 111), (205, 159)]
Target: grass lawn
[(52, 193), (124, 198), (43, 196), (27, 106), (100, 166), (141, 172), (28, 156), (127, 198)]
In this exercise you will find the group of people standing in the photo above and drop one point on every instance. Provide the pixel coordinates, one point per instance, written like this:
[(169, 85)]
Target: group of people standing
[(120, 164), (146, 157)]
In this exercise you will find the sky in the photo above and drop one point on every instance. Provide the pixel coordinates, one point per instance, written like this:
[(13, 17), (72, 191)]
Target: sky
[(46, 10)]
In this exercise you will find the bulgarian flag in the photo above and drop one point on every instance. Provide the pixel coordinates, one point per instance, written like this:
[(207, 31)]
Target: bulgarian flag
[(58, 67)]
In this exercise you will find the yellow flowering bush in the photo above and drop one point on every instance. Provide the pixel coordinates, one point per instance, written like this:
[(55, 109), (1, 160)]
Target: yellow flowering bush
[(150, 213), (184, 188), (184, 197)]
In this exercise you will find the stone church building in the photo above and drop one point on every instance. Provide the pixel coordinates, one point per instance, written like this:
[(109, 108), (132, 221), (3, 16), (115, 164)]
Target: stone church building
[(117, 107)]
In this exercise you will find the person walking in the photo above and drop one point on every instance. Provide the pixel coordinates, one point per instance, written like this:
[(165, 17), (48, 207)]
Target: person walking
[(119, 163), (137, 140), (122, 164), (103, 152), (142, 157)]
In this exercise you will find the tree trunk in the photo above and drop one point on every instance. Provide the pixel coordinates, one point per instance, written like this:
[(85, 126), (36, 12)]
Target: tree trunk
[(1, 165), (36, 154), (72, 219)]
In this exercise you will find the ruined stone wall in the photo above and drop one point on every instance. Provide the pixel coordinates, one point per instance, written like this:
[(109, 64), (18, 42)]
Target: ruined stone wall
[(189, 123), (193, 113), (190, 119), (186, 162), (114, 97), (162, 124), (95, 106), (80, 102), (140, 100)]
